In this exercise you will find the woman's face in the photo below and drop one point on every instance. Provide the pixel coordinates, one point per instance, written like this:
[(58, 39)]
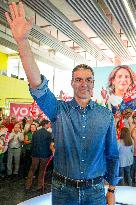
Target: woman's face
[(121, 81)]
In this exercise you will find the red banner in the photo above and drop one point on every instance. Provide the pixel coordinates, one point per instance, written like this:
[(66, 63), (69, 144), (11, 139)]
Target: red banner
[(23, 110)]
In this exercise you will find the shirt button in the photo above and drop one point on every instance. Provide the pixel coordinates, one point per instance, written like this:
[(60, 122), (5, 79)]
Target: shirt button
[(83, 160), (83, 115), (83, 137), (82, 172), (83, 125)]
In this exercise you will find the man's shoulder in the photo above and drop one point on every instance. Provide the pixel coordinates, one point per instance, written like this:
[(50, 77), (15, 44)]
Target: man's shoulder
[(103, 109), (42, 131)]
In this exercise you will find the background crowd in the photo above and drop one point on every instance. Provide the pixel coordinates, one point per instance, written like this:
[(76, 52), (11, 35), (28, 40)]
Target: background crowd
[(27, 145), (25, 148)]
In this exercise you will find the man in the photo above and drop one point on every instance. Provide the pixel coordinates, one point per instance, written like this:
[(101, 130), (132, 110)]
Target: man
[(84, 133), (16, 139), (41, 153)]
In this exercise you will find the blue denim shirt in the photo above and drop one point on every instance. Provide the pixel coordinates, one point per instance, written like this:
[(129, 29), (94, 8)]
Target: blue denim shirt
[(85, 139)]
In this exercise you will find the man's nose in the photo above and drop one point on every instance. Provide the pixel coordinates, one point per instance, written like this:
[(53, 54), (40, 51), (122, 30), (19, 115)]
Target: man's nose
[(84, 82)]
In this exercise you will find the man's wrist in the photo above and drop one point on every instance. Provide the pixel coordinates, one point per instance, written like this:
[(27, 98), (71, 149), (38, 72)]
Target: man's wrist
[(23, 46), (111, 189)]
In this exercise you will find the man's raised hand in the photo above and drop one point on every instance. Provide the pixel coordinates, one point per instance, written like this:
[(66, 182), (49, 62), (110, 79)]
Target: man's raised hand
[(19, 26)]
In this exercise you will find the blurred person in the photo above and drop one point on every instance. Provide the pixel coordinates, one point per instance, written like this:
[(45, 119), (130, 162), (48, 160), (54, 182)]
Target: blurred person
[(126, 150), (133, 135), (3, 147), (21, 126), (9, 122), (6, 122), (29, 121), (13, 121), (41, 153), (86, 150), (28, 148), (127, 117), (1, 114), (133, 124), (49, 127), (24, 120), (37, 123), (14, 150)]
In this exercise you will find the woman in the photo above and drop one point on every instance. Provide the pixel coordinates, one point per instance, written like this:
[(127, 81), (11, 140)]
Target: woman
[(121, 89), (28, 148), (120, 80), (126, 150)]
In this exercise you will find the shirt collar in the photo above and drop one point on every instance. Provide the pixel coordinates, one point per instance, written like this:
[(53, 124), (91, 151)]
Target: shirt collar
[(74, 104)]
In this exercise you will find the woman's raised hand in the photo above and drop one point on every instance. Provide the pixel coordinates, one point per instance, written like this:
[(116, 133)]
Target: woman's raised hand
[(19, 26)]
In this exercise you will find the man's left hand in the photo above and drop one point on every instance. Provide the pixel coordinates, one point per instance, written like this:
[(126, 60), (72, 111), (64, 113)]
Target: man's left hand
[(110, 198)]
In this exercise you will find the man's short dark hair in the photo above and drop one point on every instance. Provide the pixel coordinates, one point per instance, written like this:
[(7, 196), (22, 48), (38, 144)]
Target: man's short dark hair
[(82, 67), (44, 122)]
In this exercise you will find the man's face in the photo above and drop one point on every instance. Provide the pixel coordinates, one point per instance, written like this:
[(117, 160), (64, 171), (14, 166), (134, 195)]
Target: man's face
[(13, 120), (82, 84), (33, 128), (30, 121), (47, 125)]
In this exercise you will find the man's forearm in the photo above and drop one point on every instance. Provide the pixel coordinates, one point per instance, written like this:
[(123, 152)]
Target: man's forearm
[(29, 64)]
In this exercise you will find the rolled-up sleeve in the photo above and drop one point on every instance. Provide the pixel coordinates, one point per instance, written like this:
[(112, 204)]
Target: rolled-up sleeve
[(41, 89), (45, 98)]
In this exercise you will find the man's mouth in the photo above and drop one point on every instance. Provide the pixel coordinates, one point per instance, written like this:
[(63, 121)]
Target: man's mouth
[(83, 90)]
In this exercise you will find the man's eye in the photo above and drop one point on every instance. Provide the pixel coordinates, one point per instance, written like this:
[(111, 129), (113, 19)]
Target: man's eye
[(89, 80), (78, 80)]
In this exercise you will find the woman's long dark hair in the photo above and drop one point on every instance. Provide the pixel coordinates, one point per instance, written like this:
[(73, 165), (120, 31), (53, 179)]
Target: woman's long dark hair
[(126, 136)]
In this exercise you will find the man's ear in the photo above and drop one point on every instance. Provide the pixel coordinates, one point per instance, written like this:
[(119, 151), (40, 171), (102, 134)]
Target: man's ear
[(72, 83)]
